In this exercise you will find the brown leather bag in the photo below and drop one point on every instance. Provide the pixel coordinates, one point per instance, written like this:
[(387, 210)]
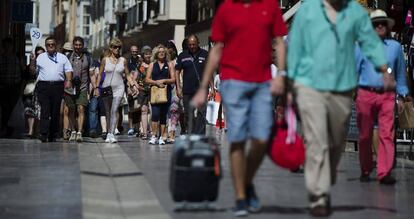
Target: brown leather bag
[(406, 117), (158, 95)]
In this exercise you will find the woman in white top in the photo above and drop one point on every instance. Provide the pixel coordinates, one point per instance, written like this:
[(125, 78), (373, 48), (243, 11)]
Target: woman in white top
[(115, 68)]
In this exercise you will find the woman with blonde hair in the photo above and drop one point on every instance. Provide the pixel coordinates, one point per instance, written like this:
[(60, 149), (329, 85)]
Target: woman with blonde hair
[(113, 88), (160, 73)]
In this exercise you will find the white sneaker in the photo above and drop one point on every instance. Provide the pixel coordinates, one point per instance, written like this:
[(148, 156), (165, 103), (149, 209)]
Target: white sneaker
[(108, 137), (117, 132), (161, 141), (153, 140), (113, 139), (72, 136)]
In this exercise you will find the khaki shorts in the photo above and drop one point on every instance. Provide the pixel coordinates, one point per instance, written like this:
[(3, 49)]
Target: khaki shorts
[(76, 100)]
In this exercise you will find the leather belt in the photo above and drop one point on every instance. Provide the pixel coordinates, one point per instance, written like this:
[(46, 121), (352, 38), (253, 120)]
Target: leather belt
[(51, 82), (378, 90)]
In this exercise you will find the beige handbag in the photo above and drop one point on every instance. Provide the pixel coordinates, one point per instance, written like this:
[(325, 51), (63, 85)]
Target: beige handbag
[(158, 95), (406, 117)]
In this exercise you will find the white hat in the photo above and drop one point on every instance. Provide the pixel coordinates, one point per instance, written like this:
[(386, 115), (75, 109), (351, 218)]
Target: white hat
[(380, 15), (68, 46)]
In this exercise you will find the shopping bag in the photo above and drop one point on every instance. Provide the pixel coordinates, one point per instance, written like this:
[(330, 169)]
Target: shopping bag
[(287, 149), (406, 117), (212, 112)]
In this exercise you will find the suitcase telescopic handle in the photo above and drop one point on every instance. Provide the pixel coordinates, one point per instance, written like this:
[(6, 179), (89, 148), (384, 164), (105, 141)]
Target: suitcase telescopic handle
[(192, 108)]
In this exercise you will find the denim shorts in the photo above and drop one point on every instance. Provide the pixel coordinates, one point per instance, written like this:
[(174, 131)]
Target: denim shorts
[(248, 110)]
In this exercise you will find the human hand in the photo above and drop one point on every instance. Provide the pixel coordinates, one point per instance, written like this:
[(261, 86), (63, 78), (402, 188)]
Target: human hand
[(199, 98), (277, 86), (389, 82)]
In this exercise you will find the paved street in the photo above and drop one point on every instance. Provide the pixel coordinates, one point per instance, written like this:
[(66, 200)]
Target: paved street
[(130, 180)]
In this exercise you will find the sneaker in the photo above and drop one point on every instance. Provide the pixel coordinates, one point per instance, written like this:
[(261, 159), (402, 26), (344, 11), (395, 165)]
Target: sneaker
[(169, 141), (253, 203), (79, 137), (103, 135), (66, 134), (153, 140), (108, 138), (161, 141), (240, 210), (113, 139), (72, 136), (117, 132), (131, 131)]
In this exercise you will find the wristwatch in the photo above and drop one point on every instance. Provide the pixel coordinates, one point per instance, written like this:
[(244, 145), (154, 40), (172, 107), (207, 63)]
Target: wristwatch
[(389, 70)]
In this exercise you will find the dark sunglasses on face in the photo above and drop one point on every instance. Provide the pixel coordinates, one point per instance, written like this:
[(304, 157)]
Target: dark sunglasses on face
[(50, 44), (382, 23), (116, 47)]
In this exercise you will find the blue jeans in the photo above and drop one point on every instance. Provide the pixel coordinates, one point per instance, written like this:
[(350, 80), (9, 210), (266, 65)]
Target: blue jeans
[(93, 114)]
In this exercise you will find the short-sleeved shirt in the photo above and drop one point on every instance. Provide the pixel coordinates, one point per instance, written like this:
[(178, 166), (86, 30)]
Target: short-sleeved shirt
[(247, 31), (52, 68), (81, 66), (192, 73)]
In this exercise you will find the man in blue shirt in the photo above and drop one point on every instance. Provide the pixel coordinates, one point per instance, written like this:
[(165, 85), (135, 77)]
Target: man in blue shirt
[(373, 102)]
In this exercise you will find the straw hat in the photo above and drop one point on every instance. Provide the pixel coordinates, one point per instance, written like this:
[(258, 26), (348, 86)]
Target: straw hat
[(68, 46), (379, 16)]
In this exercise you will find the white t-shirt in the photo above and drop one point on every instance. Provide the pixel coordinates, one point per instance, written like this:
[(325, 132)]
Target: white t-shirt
[(52, 68)]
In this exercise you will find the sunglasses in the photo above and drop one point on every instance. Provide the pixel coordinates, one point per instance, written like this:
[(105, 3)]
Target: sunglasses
[(50, 44), (382, 23), (116, 47)]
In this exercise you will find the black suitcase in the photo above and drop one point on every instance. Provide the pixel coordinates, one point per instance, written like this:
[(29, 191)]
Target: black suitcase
[(195, 169)]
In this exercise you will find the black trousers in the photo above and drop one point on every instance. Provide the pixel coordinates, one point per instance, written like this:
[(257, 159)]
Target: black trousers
[(50, 97), (199, 122)]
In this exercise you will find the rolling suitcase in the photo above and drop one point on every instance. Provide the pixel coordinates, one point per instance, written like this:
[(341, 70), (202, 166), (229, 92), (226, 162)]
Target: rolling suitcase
[(195, 169)]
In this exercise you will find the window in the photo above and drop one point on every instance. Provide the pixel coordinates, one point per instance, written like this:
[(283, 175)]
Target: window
[(86, 20), (201, 10)]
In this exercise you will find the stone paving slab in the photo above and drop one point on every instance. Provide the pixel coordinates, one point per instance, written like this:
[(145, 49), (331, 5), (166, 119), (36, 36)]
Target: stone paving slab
[(105, 159), (39, 180), (283, 194), (113, 186)]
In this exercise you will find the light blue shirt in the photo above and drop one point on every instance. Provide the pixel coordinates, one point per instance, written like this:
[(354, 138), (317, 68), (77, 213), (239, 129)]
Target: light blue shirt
[(52, 68), (321, 54), (369, 77)]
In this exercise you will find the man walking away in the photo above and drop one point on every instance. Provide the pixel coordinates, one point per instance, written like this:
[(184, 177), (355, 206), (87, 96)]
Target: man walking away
[(243, 31), (321, 46)]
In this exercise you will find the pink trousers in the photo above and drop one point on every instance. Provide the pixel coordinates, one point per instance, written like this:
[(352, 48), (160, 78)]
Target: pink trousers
[(371, 106)]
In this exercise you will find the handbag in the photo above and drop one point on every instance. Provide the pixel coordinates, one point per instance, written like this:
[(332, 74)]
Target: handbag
[(107, 91), (406, 117), (158, 95), (29, 88), (287, 149)]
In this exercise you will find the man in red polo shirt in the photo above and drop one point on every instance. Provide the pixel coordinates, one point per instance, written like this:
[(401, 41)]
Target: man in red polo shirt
[(243, 31)]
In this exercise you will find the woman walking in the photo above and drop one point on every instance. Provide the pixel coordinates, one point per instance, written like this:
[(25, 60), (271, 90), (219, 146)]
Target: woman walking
[(113, 88), (160, 73)]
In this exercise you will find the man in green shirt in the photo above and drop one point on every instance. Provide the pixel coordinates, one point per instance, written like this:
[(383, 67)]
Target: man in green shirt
[(321, 63)]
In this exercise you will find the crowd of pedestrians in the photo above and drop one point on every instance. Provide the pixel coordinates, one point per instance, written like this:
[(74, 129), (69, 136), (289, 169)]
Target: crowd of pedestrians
[(334, 49), (72, 95)]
